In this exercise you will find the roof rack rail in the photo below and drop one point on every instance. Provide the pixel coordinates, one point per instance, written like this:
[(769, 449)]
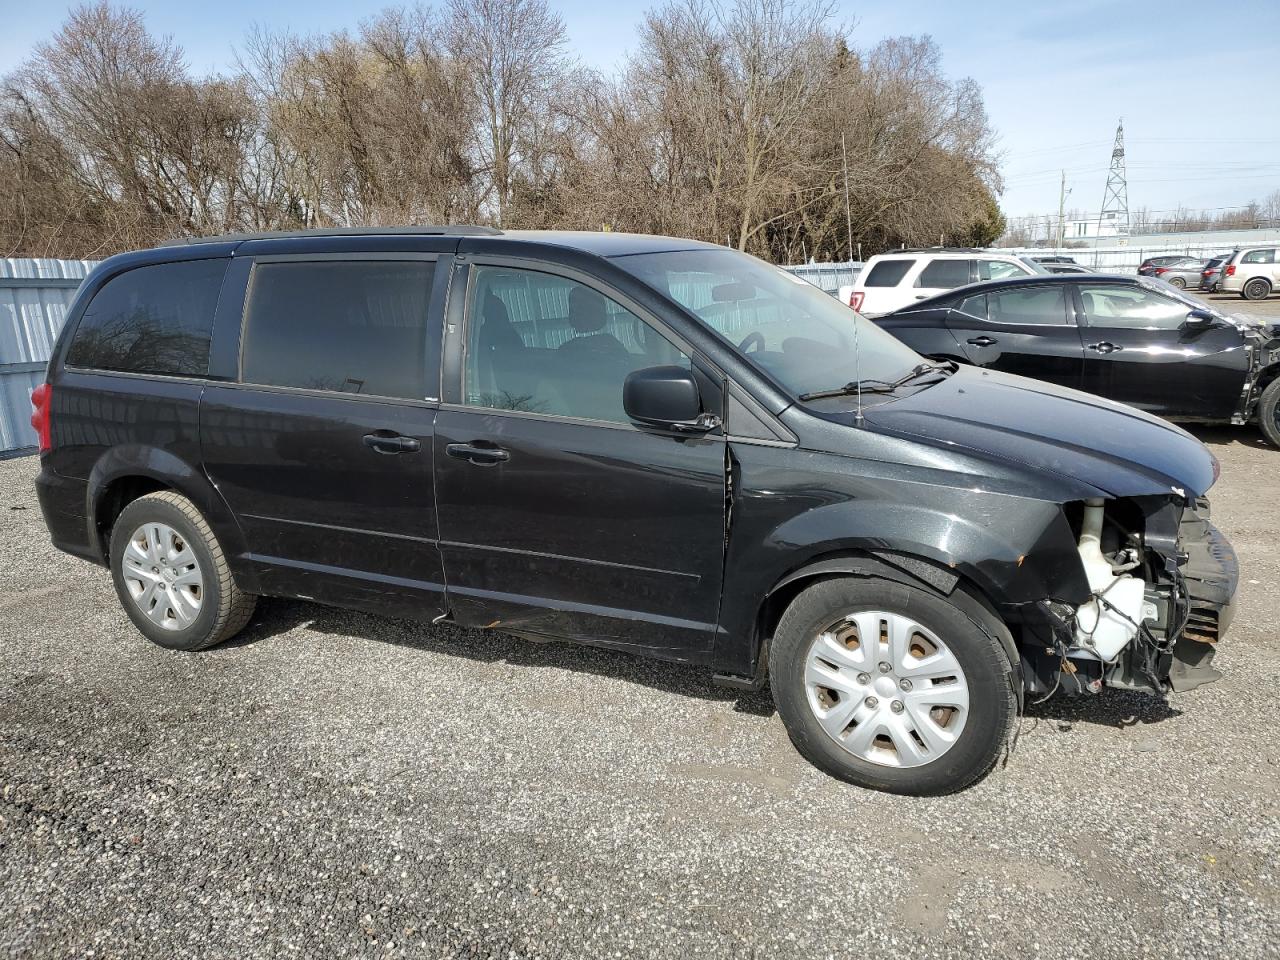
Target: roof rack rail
[(427, 230), (940, 250)]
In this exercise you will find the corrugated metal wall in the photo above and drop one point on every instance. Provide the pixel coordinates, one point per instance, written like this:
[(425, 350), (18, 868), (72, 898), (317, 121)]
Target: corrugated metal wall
[(34, 296)]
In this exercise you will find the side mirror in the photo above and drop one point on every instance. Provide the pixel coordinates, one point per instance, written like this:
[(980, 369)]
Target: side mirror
[(666, 397), (1199, 319)]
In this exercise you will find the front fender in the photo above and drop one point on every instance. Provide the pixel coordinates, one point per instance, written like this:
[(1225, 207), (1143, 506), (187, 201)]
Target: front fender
[(1015, 551), (169, 470)]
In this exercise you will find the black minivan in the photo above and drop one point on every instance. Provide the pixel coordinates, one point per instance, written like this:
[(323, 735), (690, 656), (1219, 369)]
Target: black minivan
[(651, 444)]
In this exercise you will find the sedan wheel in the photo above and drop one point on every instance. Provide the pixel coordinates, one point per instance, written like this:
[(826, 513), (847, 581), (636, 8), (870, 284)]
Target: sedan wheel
[(1179, 283)]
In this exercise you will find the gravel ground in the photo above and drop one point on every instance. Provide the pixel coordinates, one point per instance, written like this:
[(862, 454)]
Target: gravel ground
[(335, 784)]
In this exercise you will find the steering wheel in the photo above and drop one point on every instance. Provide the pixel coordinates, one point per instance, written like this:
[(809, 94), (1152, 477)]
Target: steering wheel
[(754, 338)]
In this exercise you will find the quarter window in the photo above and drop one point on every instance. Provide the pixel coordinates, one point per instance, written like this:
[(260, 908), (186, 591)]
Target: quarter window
[(155, 319), (999, 270), (1121, 306), (888, 273), (1259, 256), (944, 274), (541, 343), (356, 326)]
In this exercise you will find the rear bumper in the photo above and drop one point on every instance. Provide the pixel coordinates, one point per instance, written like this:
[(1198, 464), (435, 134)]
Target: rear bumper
[(63, 504)]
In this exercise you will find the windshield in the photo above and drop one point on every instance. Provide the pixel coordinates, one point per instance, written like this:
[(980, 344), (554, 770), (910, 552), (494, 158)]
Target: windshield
[(804, 338)]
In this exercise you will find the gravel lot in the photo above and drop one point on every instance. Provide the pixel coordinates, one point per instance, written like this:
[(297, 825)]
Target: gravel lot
[(334, 784)]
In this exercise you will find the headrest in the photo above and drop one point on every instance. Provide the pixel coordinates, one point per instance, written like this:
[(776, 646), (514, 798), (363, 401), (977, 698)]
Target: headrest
[(586, 310), (495, 311)]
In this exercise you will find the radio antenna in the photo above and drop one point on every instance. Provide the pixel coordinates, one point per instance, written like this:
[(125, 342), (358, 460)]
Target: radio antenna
[(857, 323)]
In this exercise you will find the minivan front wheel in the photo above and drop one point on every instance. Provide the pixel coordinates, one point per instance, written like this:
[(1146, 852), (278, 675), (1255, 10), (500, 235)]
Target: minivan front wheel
[(172, 576), (890, 686)]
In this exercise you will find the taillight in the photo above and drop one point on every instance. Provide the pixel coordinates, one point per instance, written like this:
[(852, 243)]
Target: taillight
[(855, 299), (1231, 269), (41, 401), (1160, 270)]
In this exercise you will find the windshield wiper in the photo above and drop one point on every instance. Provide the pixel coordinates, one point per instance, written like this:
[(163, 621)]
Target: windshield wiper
[(880, 386)]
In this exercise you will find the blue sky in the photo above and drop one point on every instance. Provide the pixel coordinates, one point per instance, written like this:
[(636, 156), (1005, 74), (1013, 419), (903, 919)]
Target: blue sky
[(1200, 101)]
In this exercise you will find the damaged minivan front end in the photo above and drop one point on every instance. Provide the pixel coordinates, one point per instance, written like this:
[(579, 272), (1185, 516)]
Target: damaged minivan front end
[(1161, 584), (1150, 591)]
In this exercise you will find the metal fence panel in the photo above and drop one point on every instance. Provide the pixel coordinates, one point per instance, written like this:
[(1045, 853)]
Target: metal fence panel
[(34, 296), (829, 276)]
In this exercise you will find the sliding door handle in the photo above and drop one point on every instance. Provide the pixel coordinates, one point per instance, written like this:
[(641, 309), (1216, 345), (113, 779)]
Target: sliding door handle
[(389, 443)]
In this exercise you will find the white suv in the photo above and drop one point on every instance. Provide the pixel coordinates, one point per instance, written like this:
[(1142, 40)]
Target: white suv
[(890, 281), (1252, 272)]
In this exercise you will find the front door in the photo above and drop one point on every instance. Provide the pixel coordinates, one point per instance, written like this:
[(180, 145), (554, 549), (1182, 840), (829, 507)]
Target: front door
[(1025, 329), (1140, 351), (558, 516), (323, 449)]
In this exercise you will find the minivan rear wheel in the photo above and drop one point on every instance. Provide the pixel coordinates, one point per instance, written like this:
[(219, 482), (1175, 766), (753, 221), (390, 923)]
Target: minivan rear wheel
[(890, 686), (172, 577), (1256, 289)]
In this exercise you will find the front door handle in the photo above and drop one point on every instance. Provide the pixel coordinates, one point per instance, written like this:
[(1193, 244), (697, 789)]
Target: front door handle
[(389, 443), (1105, 347), (983, 341), (481, 456)]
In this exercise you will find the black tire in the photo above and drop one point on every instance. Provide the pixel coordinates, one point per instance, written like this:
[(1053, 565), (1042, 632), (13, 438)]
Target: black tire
[(1179, 283), (1256, 289), (224, 607), (1269, 412), (986, 666)]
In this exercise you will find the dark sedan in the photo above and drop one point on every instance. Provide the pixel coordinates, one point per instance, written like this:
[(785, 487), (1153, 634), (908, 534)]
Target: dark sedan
[(1130, 339)]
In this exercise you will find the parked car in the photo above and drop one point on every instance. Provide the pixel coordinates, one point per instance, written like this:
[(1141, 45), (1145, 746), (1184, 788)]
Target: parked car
[(638, 442), (1181, 275), (1056, 267), (1131, 339), (1211, 275), (1252, 272), (1054, 258), (1149, 266), (889, 281)]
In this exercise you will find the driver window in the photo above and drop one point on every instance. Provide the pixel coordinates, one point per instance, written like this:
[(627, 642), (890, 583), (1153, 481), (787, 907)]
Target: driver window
[(541, 343), (1121, 306)]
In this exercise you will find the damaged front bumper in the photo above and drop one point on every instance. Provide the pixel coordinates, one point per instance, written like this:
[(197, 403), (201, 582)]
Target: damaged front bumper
[(1211, 574), (1190, 574)]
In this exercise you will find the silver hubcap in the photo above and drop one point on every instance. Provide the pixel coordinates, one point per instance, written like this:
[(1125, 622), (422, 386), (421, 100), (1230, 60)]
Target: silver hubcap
[(886, 689), (162, 576)]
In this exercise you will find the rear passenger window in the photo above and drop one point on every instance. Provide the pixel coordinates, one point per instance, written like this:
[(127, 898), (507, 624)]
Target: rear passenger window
[(944, 274), (540, 343), (1044, 305), (1259, 256), (155, 319), (888, 273), (357, 326)]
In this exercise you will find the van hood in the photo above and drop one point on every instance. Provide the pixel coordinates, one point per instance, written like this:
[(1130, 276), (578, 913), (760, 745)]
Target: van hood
[(1111, 447)]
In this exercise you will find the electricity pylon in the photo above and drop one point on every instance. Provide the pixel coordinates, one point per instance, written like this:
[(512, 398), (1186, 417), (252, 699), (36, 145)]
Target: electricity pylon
[(1116, 198)]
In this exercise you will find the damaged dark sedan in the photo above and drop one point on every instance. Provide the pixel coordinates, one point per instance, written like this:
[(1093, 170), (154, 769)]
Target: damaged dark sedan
[(654, 445), (1132, 339)]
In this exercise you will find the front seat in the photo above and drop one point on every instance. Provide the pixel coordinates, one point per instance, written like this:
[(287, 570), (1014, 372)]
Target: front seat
[(593, 364), (590, 342)]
